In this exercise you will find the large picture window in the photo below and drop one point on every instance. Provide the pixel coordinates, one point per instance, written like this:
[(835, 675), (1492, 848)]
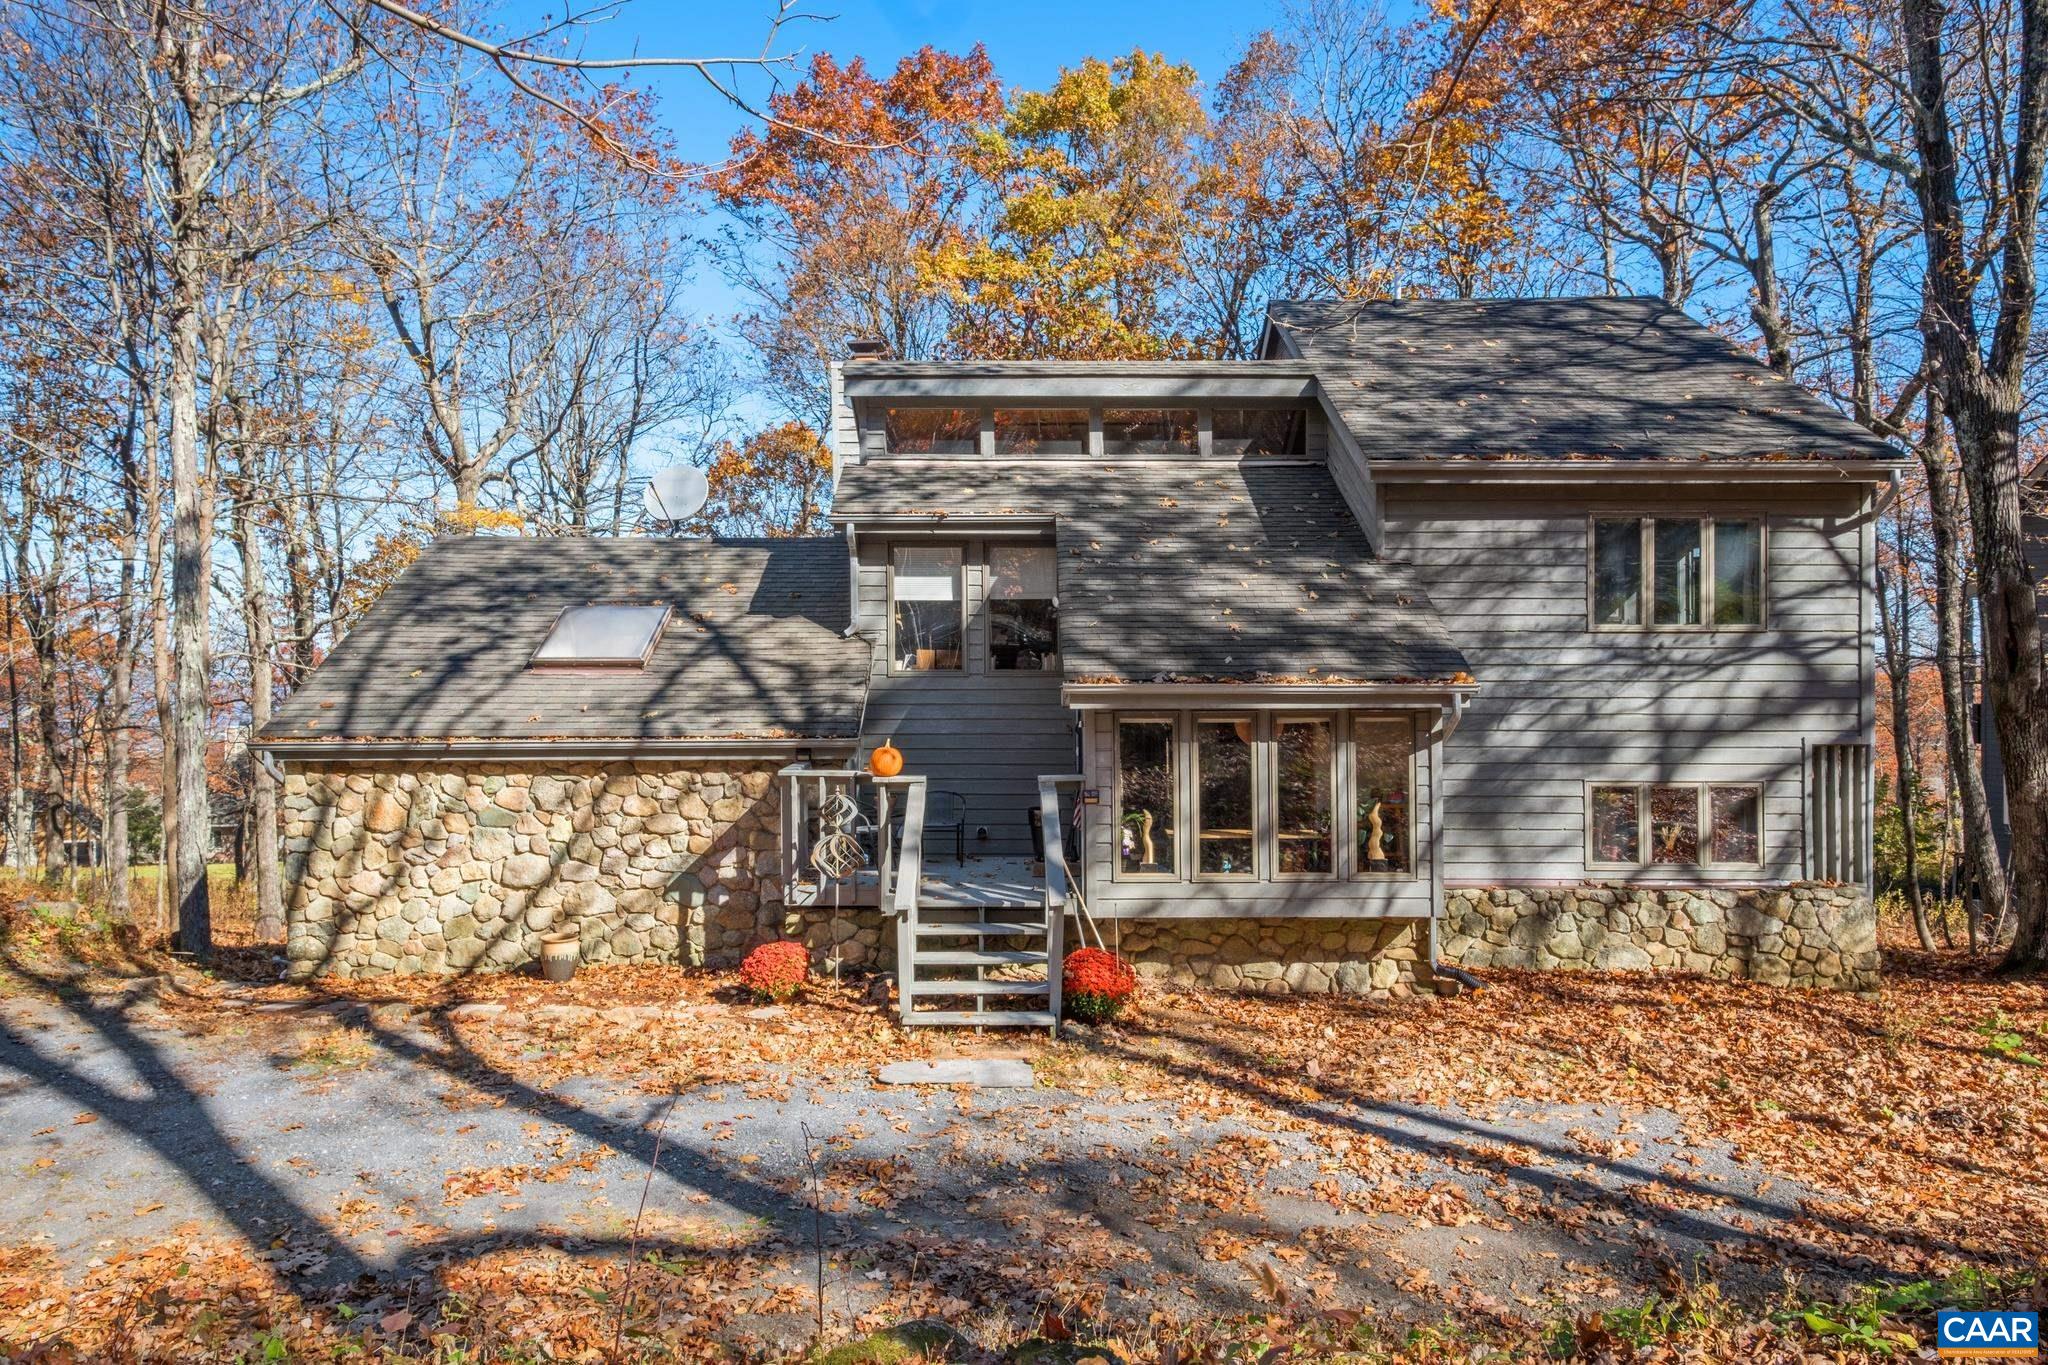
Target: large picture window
[(1383, 763), (1224, 839), (926, 606), (1677, 573), (1023, 608), (1304, 827), (1674, 824), (1147, 799)]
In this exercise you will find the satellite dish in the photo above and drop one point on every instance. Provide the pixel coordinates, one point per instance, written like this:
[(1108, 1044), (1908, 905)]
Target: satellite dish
[(676, 494)]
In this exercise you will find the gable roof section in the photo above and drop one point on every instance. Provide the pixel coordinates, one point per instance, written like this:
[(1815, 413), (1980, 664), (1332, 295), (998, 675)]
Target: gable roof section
[(753, 648), (1192, 572), (1555, 379)]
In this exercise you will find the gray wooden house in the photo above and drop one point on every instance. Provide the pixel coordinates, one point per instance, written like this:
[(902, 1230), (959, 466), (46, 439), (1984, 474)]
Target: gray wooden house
[(1480, 633)]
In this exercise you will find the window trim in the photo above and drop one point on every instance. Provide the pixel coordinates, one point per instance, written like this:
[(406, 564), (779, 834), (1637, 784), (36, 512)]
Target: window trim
[(622, 664), (1272, 789), (1646, 588), (1351, 821), (988, 601), (1118, 720), (1257, 747), (1705, 790), (895, 670)]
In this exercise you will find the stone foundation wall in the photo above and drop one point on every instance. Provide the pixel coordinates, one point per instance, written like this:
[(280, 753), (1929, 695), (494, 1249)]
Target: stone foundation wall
[(1277, 956), (1810, 934), (410, 869)]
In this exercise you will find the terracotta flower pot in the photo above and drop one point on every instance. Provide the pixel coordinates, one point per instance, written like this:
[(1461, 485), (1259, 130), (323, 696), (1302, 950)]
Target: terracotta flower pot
[(560, 954)]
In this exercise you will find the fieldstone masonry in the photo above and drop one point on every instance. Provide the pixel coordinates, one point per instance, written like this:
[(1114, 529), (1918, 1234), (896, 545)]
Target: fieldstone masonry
[(1808, 934), (413, 869), (1279, 956)]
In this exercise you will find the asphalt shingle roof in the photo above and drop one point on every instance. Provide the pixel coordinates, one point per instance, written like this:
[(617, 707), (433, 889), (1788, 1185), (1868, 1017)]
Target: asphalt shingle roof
[(752, 650), (1593, 378), (1175, 571)]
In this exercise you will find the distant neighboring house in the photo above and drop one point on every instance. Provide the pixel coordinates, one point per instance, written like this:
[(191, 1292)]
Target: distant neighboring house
[(1445, 634), (2034, 504)]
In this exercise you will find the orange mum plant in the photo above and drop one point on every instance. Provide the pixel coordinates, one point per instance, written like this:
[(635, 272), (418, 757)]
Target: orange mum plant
[(774, 971), (1097, 985)]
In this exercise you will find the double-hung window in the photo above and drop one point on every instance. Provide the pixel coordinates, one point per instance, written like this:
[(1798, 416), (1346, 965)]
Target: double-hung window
[(925, 607), (1677, 573), (1632, 825)]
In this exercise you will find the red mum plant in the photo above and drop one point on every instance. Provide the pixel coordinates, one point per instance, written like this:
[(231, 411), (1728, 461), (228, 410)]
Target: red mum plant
[(1097, 984), (774, 971)]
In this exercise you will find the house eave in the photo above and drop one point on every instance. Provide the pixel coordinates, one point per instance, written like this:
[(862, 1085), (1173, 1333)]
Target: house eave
[(565, 750), (1265, 696), (1502, 472), (1040, 382)]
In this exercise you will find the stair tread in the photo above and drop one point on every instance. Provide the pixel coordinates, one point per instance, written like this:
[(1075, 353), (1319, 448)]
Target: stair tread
[(979, 987), (974, 957), (996, 1018), (926, 928)]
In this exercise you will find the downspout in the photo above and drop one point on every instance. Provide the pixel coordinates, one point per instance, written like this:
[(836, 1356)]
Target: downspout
[(852, 585), (1453, 715)]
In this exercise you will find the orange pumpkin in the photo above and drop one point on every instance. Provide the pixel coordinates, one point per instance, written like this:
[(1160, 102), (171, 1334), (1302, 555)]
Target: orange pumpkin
[(886, 761)]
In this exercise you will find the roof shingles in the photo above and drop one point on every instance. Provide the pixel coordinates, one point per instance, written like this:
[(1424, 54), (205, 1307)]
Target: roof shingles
[(753, 649), (1557, 379), (1197, 572)]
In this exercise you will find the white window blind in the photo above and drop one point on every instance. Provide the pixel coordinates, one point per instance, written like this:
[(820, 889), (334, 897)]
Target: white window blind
[(927, 575)]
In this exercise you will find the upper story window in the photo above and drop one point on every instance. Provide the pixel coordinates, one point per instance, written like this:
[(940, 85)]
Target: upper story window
[(1671, 573), (1259, 431), (933, 431), (1041, 431), (1148, 431), (1023, 608), (925, 607), (602, 635)]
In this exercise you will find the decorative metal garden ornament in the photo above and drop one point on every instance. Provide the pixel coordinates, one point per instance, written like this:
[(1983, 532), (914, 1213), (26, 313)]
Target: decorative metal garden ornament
[(837, 854)]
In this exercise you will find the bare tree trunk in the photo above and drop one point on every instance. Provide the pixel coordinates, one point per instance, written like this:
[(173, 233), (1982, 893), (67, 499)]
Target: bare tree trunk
[(121, 689), (1982, 391), (262, 813), (189, 572), (1895, 627), (1981, 868)]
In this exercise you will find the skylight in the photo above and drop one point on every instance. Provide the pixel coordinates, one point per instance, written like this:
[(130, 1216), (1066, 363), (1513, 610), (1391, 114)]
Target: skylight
[(603, 634)]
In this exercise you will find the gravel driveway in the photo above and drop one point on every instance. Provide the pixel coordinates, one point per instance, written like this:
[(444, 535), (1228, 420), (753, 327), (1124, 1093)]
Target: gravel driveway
[(363, 1154)]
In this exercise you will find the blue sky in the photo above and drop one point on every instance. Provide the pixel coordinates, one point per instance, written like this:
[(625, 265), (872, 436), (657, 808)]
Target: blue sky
[(1029, 45), (1028, 42)]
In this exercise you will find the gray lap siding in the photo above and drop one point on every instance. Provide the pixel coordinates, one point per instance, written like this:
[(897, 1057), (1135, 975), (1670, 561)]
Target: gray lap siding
[(1564, 705), (986, 734)]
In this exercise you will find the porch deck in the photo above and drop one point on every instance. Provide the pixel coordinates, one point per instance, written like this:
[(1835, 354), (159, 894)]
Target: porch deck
[(1000, 883)]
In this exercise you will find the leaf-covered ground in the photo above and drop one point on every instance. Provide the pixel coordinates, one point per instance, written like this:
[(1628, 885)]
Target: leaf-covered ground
[(642, 1163)]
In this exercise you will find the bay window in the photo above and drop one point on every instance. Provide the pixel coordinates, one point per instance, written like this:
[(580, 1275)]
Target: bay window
[(1677, 573), (1633, 825), (1023, 608), (925, 607)]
